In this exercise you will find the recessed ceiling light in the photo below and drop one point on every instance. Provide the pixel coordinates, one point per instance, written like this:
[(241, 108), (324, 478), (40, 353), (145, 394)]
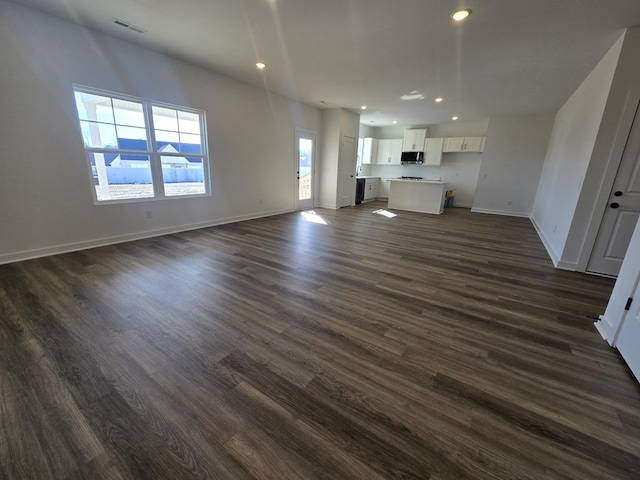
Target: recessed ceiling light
[(394, 122), (460, 15), (454, 118), (438, 99), (363, 107), (261, 65)]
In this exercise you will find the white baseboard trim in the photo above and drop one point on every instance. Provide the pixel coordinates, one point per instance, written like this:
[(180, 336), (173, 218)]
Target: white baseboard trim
[(603, 326), (461, 205), (500, 212), (547, 245), (328, 207), (570, 266), (101, 242)]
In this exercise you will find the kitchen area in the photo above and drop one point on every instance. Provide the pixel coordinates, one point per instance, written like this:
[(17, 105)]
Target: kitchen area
[(415, 170)]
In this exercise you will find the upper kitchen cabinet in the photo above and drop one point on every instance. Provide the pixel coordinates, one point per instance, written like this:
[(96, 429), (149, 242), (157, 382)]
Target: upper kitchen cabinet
[(414, 140), (463, 144), (433, 152), (369, 150), (389, 151)]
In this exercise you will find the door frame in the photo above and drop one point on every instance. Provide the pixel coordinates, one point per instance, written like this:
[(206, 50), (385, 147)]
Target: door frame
[(298, 204), (632, 104)]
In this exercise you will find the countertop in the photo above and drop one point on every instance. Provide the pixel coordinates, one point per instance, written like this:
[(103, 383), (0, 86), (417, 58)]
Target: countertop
[(366, 176), (437, 182)]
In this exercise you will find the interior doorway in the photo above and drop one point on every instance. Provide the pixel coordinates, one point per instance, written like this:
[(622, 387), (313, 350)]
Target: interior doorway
[(305, 159)]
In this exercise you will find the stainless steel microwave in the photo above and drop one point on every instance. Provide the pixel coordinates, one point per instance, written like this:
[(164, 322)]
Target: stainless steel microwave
[(409, 158)]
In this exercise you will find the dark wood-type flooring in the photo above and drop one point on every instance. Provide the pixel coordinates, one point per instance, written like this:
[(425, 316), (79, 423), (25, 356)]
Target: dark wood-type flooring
[(414, 347)]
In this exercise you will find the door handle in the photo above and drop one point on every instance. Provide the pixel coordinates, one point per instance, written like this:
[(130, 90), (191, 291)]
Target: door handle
[(618, 193), (614, 205)]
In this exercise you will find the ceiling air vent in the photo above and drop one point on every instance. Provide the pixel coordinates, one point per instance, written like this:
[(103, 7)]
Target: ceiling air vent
[(124, 24)]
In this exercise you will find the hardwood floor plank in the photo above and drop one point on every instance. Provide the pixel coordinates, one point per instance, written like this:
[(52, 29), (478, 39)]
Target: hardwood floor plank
[(434, 347), (383, 456), (312, 455), (562, 436)]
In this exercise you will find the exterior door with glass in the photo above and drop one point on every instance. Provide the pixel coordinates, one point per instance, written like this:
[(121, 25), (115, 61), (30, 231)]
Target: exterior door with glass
[(305, 158)]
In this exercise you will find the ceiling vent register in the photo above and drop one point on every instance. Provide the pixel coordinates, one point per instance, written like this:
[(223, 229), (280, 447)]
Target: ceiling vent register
[(124, 24)]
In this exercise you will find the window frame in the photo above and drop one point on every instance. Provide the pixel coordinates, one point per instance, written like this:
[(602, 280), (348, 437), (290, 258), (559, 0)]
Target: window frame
[(155, 156)]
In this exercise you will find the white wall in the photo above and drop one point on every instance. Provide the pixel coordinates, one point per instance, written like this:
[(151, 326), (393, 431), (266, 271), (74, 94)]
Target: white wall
[(477, 128), (513, 156), (607, 151), (329, 155), (569, 153), (45, 196), (460, 171), (367, 131), (336, 123)]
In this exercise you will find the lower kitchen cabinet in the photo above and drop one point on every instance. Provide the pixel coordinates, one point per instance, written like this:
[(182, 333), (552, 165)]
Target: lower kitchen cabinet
[(383, 188), (371, 189)]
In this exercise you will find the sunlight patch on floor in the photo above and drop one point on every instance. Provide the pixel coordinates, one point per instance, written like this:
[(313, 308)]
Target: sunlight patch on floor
[(385, 213), (313, 217)]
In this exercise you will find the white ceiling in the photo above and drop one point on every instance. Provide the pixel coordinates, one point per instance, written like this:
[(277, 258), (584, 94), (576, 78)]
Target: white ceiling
[(510, 57)]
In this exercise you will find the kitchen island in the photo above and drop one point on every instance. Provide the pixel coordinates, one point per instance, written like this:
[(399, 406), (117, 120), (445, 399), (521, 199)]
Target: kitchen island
[(424, 196)]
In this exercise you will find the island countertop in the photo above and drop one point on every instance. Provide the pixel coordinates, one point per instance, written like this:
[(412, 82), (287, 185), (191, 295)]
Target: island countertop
[(424, 196), (438, 182)]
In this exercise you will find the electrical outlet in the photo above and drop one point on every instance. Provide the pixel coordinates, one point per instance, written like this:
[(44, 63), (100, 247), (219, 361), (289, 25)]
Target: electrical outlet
[(509, 202), (555, 227), (260, 201), (149, 215)]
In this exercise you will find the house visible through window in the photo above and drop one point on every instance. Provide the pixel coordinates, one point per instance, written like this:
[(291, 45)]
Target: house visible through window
[(139, 149)]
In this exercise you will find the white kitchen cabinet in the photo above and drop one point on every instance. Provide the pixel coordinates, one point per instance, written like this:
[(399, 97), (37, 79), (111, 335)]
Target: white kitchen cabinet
[(433, 152), (389, 151), (474, 144), (369, 150), (414, 140), (463, 144), (383, 188), (371, 188), (453, 144)]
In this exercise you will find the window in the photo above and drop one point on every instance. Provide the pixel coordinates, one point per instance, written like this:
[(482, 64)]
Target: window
[(138, 149)]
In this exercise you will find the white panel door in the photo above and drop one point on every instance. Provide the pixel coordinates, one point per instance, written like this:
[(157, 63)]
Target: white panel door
[(623, 209), (628, 341), (346, 172), (610, 322)]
